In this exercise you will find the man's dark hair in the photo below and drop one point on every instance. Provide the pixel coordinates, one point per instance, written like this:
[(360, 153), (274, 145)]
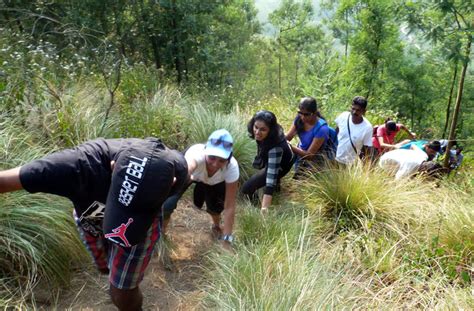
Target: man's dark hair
[(435, 145), (391, 126), (309, 104), (270, 120), (360, 101)]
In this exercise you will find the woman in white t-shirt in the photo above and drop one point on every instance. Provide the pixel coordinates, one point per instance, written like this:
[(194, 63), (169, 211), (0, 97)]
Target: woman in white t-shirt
[(215, 172)]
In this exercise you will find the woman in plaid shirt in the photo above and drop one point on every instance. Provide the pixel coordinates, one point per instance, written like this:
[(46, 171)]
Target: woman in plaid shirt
[(274, 156)]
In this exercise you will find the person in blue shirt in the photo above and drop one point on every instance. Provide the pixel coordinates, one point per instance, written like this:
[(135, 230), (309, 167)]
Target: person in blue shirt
[(313, 133)]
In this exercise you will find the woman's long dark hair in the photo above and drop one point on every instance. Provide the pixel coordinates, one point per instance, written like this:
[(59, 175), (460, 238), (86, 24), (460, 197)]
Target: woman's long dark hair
[(275, 136), (309, 104), (269, 118)]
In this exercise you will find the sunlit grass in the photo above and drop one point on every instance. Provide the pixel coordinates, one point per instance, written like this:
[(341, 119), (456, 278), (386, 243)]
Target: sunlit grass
[(38, 243), (38, 240), (17, 146), (352, 238), (277, 267), (73, 114), (162, 116), (362, 197)]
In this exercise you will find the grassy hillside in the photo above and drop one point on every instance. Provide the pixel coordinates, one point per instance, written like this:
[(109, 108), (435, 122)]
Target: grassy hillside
[(339, 239)]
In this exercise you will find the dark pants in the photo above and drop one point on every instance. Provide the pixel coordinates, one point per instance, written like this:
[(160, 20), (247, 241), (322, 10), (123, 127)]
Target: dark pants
[(258, 181), (213, 196)]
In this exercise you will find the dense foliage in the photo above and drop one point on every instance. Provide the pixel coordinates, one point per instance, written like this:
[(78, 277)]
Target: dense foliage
[(178, 69), (405, 56)]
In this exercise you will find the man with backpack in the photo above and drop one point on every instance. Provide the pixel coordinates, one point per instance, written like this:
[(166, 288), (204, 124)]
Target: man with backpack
[(318, 141), (354, 133)]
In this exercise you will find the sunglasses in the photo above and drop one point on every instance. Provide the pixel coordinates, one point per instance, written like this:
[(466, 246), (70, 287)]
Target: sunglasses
[(265, 114), (218, 141), (305, 114)]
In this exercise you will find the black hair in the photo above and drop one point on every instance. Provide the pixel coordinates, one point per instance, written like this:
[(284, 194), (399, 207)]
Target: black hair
[(360, 101), (435, 145), (391, 125), (307, 103), (271, 121)]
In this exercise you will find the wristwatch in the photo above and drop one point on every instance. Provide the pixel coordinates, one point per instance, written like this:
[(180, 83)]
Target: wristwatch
[(228, 237)]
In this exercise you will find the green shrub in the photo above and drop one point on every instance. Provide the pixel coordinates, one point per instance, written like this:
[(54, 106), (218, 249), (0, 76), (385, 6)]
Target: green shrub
[(362, 196), (71, 115), (162, 116), (140, 83)]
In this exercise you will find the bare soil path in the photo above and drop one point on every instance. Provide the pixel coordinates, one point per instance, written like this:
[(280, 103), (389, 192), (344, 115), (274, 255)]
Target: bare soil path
[(172, 279)]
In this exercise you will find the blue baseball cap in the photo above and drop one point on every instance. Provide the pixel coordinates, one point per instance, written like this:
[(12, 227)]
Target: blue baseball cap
[(219, 144)]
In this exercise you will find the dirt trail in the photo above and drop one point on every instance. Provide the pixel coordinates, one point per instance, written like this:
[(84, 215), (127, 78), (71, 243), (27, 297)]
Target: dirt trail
[(171, 283)]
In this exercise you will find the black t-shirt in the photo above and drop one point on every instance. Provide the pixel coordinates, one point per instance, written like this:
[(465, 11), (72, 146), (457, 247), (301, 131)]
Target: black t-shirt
[(82, 174)]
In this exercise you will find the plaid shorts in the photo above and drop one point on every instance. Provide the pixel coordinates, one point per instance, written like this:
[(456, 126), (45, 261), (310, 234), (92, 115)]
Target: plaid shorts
[(127, 265)]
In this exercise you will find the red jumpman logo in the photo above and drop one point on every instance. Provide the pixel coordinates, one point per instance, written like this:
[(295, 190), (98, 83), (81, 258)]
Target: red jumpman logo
[(119, 232)]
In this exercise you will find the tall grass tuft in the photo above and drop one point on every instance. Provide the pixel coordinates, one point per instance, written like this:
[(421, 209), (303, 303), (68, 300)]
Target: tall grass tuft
[(447, 236), (253, 227), (204, 121), (162, 116), (362, 196), (38, 243), (457, 230), (277, 270), (17, 146), (71, 116), (38, 240)]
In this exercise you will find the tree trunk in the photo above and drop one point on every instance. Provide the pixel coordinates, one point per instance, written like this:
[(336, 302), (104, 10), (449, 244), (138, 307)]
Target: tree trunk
[(118, 30), (297, 65), (346, 44), (279, 74), (374, 68), (451, 91), (185, 64), (412, 117), (148, 33), (452, 132), (175, 45)]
